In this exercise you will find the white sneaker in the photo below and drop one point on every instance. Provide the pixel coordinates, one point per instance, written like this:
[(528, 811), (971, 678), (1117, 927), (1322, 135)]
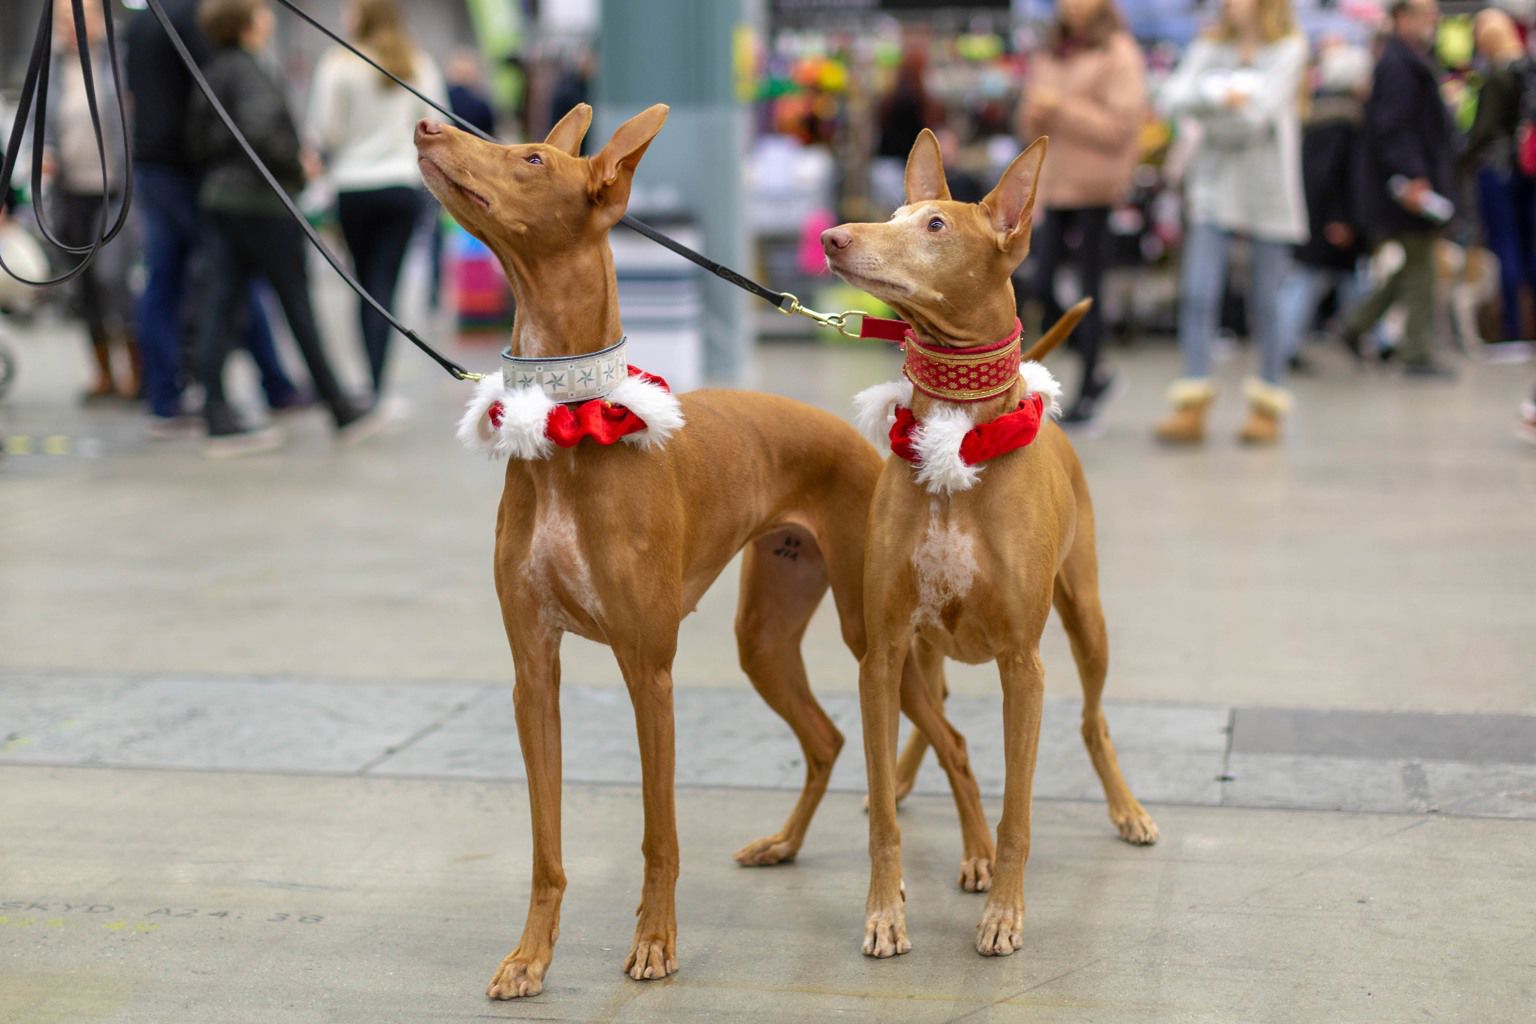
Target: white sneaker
[(244, 442), (1527, 429), (170, 428)]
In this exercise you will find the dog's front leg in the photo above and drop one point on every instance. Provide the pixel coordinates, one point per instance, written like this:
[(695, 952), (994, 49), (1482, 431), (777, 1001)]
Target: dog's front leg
[(1002, 922), (648, 675), (885, 918), (536, 698)]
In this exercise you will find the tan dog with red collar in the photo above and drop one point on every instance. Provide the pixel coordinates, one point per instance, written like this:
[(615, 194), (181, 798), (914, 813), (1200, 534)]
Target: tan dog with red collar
[(966, 560), (617, 539)]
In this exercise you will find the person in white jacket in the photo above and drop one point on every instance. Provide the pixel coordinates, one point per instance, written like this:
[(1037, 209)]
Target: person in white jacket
[(1240, 85), (362, 124)]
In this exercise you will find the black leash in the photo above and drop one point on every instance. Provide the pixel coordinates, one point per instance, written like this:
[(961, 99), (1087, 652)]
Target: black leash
[(35, 87), (457, 371), (34, 102), (784, 302)]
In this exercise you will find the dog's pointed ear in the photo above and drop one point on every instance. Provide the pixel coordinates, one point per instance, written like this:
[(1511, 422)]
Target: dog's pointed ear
[(614, 167), (1011, 204), (925, 169), (567, 134)]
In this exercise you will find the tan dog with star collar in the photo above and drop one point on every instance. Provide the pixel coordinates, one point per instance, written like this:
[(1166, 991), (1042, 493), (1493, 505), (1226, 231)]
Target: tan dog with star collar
[(616, 542), (966, 564)]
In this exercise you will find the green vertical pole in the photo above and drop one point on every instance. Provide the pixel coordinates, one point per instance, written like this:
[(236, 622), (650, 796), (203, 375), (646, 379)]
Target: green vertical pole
[(680, 52)]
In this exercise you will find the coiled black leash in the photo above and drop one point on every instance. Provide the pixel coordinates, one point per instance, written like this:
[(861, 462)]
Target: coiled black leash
[(34, 101), (34, 98)]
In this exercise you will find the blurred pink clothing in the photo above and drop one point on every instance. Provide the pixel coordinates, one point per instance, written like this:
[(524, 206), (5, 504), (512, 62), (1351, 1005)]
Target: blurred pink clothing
[(1102, 103)]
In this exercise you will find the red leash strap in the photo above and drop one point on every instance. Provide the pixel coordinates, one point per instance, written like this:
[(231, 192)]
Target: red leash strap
[(883, 329)]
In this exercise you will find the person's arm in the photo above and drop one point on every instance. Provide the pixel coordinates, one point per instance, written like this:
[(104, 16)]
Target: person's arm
[(1395, 127), (1029, 118), (261, 112), (1188, 91), (1113, 121), (1279, 88), (327, 106), (1493, 110)]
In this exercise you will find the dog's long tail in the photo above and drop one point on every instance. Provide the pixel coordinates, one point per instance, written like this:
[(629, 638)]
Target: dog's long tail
[(1058, 332)]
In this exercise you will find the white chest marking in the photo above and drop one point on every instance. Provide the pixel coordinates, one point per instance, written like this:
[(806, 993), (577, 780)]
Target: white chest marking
[(555, 552), (945, 566)]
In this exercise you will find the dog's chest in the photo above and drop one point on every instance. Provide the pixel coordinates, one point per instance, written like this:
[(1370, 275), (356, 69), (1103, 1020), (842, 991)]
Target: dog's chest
[(557, 571), (944, 570)]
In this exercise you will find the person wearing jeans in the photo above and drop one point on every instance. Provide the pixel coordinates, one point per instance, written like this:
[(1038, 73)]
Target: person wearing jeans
[(165, 201), (251, 232), (362, 123), (1239, 85), (1086, 91)]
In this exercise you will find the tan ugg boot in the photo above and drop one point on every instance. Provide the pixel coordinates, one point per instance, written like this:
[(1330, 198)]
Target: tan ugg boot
[(1267, 405), (1190, 396)]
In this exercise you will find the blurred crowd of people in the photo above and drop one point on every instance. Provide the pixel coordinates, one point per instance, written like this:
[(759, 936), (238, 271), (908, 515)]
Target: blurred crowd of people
[(1335, 165), (212, 234), (1327, 170)]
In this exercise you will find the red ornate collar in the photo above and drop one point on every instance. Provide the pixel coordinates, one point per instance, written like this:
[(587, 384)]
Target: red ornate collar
[(952, 374)]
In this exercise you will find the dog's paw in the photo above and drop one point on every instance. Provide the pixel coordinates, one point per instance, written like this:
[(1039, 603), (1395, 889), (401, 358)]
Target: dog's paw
[(976, 874), (767, 850), (885, 933), (650, 959), (517, 977), (1001, 930), (1137, 827)]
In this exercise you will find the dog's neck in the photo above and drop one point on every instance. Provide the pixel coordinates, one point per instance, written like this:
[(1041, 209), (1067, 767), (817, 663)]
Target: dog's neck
[(567, 302), (967, 325)]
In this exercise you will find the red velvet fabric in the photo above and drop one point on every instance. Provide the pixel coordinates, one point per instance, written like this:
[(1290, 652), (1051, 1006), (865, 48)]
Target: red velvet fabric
[(985, 441), (598, 419)]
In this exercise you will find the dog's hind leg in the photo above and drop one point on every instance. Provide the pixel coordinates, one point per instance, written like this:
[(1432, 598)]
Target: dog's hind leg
[(1077, 601), (783, 579)]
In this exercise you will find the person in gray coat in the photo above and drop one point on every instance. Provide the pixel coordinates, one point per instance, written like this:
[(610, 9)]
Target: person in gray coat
[(1239, 86)]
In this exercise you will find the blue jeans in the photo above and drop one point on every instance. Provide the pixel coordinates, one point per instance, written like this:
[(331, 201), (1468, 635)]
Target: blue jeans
[(1201, 284), (1303, 288), (165, 199), (1507, 205)]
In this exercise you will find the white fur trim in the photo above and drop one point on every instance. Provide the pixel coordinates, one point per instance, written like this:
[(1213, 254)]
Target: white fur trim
[(1188, 391), (521, 434), (1040, 381), (874, 409), (937, 442), (662, 412), (1269, 398), (525, 423)]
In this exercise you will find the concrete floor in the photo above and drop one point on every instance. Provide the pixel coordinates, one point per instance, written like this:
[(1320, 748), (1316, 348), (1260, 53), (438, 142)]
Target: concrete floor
[(176, 897), (256, 762)]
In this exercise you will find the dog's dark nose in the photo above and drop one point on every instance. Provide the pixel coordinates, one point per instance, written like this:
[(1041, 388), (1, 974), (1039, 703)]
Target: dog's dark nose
[(834, 239), (427, 126)]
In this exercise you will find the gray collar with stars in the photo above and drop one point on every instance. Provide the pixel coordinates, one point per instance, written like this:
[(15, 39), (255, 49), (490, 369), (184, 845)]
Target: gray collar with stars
[(568, 378)]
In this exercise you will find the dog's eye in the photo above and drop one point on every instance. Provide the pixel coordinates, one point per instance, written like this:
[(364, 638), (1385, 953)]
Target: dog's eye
[(937, 224), (534, 159)]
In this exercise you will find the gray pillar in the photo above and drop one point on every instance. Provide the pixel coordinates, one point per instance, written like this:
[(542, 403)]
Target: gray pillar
[(679, 52)]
